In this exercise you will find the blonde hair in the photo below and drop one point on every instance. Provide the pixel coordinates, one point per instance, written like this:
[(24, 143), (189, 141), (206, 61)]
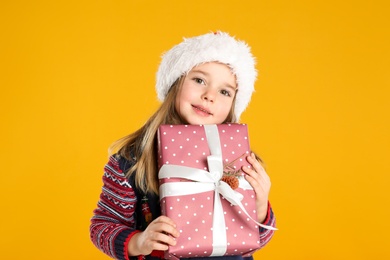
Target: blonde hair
[(141, 146)]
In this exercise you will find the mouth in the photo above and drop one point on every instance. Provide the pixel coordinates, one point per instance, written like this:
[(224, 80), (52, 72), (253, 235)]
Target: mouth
[(202, 110)]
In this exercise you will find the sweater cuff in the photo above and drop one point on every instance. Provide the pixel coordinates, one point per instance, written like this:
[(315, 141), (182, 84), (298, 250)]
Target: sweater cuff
[(268, 214), (121, 243), (269, 219)]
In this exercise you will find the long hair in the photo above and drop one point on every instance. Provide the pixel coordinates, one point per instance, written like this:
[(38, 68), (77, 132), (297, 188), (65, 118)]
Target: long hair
[(141, 146)]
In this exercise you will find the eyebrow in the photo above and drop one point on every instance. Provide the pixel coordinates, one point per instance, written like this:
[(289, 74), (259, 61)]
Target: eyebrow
[(208, 74)]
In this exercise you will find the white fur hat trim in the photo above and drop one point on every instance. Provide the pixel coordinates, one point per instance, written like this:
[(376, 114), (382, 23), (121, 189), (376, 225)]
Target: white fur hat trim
[(209, 47)]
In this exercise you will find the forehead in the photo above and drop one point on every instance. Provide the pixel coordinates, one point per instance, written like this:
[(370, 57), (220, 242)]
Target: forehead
[(217, 70)]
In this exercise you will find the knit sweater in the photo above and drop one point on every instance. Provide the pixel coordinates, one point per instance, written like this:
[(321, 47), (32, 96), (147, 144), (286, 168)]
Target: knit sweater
[(120, 213)]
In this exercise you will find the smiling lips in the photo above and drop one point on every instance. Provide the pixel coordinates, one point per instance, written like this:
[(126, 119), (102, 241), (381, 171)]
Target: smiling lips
[(201, 110)]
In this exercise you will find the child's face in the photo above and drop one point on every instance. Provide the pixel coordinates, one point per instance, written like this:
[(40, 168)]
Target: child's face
[(207, 94)]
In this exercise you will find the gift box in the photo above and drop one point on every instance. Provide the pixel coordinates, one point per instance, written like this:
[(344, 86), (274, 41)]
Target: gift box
[(202, 188)]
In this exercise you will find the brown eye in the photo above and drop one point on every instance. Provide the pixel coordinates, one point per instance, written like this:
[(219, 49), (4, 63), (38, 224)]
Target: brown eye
[(225, 93), (199, 81)]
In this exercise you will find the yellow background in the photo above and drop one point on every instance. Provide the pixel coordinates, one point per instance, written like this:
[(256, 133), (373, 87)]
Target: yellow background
[(77, 75)]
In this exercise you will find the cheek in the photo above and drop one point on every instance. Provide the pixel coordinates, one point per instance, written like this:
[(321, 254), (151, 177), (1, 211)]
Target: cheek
[(227, 109), (224, 111), (186, 94), (228, 106)]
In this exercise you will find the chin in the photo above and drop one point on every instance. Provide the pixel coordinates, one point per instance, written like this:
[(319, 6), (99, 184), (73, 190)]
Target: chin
[(193, 122), (198, 122)]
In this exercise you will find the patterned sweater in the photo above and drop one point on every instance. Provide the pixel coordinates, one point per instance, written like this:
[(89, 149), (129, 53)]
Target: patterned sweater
[(120, 213)]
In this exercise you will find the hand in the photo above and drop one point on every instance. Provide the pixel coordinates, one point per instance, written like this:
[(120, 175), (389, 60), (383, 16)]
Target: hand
[(159, 234), (261, 184)]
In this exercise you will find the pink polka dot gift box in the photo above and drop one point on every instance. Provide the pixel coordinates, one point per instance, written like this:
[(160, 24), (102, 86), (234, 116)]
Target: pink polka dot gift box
[(203, 190)]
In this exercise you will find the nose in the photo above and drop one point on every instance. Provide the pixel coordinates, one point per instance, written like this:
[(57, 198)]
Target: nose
[(209, 95)]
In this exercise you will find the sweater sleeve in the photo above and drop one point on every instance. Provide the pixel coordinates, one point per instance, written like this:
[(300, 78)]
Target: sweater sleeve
[(113, 221), (266, 234)]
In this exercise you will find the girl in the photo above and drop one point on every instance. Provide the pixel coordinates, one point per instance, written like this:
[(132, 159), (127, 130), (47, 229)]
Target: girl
[(207, 79)]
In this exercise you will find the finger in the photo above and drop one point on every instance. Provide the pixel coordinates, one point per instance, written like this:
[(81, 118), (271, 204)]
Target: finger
[(260, 190), (151, 245), (250, 171), (255, 179), (252, 181), (259, 169), (164, 224), (153, 239), (165, 239), (255, 163), (159, 247), (165, 219)]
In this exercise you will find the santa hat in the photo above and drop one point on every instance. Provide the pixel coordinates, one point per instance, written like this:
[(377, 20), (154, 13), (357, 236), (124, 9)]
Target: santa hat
[(220, 47)]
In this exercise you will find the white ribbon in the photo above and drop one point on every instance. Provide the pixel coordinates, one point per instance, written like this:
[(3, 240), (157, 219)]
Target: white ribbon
[(207, 181)]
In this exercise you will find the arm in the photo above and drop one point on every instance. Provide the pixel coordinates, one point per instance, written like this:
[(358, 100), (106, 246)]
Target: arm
[(266, 234), (113, 226), (113, 222), (261, 183)]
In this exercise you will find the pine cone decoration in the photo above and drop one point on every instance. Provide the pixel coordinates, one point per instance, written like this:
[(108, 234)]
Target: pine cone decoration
[(231, 180)]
